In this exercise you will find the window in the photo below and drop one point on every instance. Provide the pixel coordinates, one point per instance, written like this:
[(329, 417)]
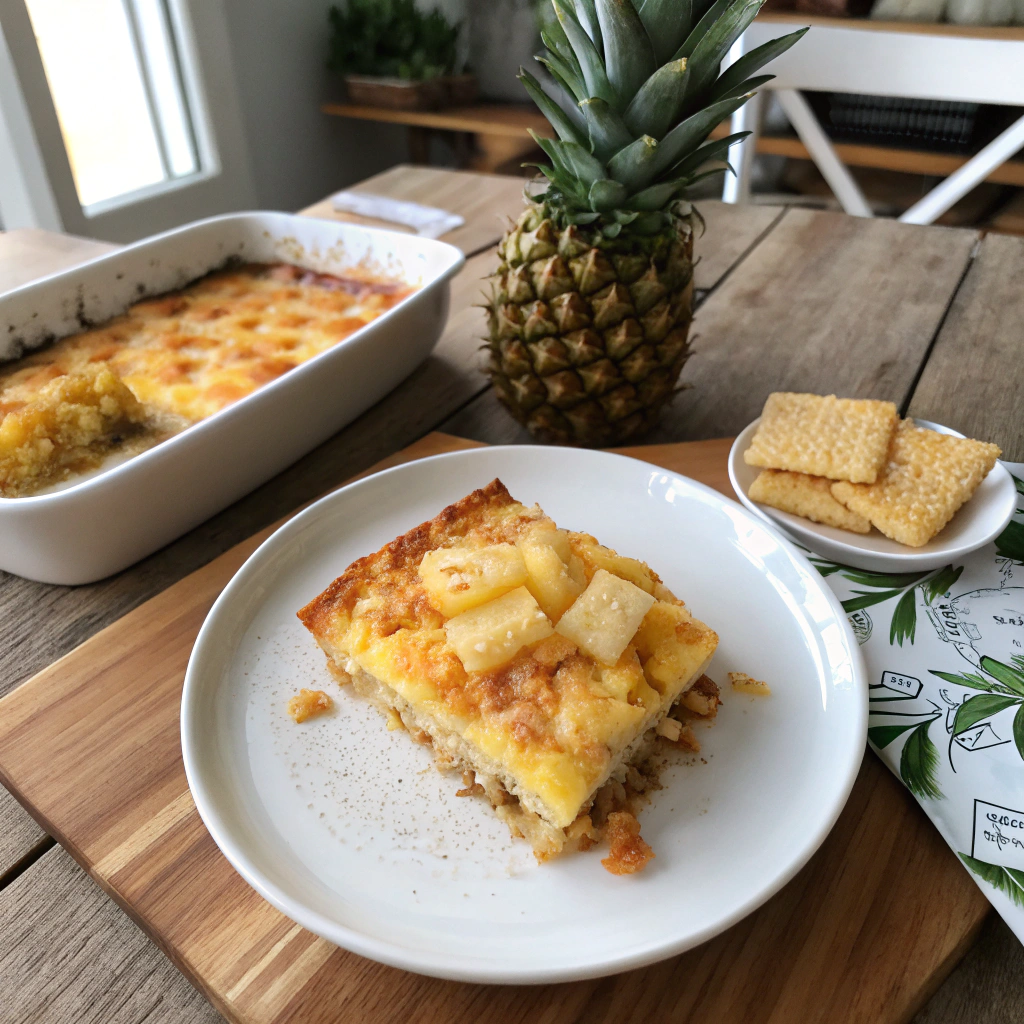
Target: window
[(131, 109), (113, 71)]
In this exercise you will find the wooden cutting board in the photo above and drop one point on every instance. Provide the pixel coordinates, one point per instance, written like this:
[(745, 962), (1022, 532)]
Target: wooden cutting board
[(91, 747)]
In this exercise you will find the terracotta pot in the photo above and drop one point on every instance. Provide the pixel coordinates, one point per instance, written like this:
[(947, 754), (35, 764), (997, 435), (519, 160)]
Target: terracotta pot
[(461, 90), (395, 93)]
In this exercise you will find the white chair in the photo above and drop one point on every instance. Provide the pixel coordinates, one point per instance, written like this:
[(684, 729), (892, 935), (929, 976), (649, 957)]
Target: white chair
[(883, 59)]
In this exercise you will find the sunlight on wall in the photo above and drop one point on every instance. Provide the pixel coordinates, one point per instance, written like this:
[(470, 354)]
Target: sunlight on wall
[(99, 93)]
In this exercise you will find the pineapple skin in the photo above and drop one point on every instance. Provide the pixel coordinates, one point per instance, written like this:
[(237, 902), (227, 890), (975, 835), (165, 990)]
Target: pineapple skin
[(588, 335)]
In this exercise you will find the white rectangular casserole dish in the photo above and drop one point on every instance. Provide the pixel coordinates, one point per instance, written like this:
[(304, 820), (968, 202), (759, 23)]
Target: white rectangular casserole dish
[(106, 521)]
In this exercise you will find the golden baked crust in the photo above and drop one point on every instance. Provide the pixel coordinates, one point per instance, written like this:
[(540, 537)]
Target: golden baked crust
[(191, 353), (72, 421), (552, 724)]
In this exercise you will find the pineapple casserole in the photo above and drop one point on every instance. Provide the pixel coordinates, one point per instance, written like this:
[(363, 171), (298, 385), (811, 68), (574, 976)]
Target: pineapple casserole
[(854, 465), (534, 660), (169, 362), (592, 300)]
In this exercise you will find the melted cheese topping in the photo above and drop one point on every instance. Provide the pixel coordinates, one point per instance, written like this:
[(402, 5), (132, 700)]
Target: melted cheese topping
[(191, 353), (552, 718)]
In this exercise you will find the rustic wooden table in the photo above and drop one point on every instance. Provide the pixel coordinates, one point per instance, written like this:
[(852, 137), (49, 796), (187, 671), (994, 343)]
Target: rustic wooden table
[(928, 317)]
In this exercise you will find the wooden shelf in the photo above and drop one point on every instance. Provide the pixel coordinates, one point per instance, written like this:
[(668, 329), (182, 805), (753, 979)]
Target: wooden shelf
[(909, 161), (511, 121), (1000, 33), (506, 119)]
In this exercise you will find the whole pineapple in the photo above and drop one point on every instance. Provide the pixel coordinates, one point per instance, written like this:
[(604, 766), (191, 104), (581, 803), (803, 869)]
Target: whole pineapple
[(591, 305)]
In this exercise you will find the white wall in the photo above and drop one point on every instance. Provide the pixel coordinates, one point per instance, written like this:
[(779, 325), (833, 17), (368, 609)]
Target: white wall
[(279, 56)]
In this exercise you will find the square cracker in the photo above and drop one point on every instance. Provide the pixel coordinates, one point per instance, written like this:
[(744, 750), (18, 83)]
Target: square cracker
[(840, 438), (807, 496), (927, 478)]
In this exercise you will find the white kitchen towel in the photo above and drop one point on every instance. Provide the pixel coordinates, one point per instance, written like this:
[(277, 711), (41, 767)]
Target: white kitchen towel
[(427, 221), (945, 660)]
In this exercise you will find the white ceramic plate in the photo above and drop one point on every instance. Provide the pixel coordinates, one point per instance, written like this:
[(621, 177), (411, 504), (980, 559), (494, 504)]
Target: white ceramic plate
[(347, 828), (977, 522)]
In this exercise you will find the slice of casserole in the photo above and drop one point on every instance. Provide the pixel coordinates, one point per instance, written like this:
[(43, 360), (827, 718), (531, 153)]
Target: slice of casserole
[(535, 660)]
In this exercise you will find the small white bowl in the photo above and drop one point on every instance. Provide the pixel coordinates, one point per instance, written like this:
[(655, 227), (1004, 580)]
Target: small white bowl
[(977, 522)]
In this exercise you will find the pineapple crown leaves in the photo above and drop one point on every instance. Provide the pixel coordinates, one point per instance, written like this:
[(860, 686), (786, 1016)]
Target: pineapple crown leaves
[(643, 89)]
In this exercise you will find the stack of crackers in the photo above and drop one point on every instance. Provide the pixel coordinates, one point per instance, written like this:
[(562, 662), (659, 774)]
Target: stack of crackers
[(854, 464)]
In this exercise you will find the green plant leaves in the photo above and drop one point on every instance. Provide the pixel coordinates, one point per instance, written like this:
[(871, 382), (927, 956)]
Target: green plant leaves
[(1007, 880), (975, 709), (904, 619), (659, 101), (634, 166), (881, 579), (1011, 678), (606, 195), (1010, 543), (751, 62), (592, 67), (919, 762), (882, 735), (697, 33), (392, 38), (628, 54), (1018, 730), (971, 680), (864, 599), (715, 150), (667, 23), (607, 133), (586, 12), (941, 583), (710, 51), (557, 118), (654, 197), (689, 134), (563, 74), (748, 86)]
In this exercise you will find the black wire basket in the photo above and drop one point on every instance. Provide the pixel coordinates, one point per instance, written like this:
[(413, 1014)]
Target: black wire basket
[(939, 125)]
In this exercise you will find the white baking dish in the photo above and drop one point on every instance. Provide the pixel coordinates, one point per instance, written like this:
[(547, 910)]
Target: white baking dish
[(110, 519)]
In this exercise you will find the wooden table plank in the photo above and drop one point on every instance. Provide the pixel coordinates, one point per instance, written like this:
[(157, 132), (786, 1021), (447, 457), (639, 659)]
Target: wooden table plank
[(21, 839), (731, 232), (68, 954), (27, 254), (986, 986), (154, 855), (826, 303), (485, 200), (974, 378)]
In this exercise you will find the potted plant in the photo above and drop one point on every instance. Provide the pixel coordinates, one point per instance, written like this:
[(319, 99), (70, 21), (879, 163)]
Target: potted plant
[(592, 297), (392, 54)]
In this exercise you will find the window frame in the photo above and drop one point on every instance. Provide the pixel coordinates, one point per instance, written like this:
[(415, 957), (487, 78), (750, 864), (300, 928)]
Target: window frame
[(222, 183)]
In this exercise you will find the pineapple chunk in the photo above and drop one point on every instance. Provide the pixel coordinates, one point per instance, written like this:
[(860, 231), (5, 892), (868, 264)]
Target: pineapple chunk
[(457, 579), (625, 682), (605, 617), (663, 646), (488, 636), (625, 568), (547, 555)]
